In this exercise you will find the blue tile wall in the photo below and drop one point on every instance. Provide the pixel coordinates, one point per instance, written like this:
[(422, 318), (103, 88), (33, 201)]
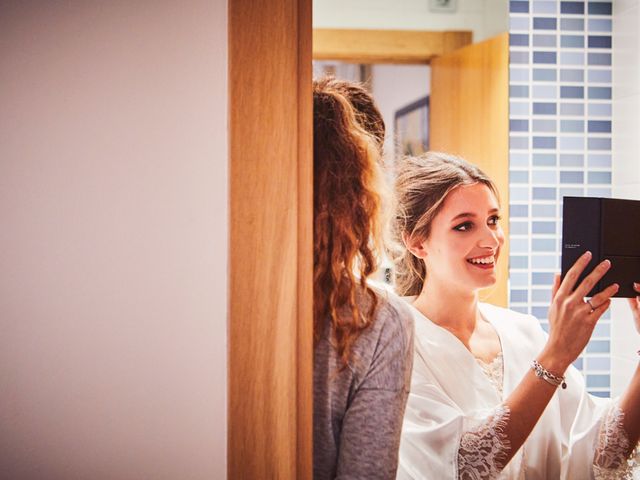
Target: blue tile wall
[(560, 83)]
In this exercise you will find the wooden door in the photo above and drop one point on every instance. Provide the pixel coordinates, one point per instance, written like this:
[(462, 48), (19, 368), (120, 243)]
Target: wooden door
[(469, 117)]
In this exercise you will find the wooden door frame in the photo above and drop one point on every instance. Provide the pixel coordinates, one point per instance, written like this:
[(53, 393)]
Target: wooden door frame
[(270, 328)]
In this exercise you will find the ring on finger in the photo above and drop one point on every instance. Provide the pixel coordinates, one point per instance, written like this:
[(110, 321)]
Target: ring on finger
[(591, 305)]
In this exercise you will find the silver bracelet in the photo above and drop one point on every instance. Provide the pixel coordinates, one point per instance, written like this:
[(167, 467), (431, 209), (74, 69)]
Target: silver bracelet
[(547, 376)]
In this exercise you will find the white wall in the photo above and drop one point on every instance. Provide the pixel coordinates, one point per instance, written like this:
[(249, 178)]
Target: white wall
[(113, 250), (485, 18), (626, 166), (394, 87)]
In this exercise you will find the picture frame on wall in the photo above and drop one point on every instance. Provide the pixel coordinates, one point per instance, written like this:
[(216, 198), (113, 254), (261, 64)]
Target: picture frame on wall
[(411, 126)]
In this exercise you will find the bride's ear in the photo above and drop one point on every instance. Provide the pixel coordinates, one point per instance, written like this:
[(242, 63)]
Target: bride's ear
[(414, 244)]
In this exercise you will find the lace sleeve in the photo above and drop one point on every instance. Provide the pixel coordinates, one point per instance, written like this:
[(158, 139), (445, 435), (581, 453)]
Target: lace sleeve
[(611, 461), (483, 450)]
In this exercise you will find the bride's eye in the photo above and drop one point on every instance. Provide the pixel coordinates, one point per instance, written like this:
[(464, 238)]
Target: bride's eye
[(494, 219), (463, 227)]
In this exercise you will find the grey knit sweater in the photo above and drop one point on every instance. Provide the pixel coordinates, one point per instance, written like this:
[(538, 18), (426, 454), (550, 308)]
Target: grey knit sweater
[(357, 411)]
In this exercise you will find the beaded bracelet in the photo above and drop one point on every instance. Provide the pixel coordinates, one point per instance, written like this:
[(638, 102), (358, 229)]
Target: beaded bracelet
[(546, 375)]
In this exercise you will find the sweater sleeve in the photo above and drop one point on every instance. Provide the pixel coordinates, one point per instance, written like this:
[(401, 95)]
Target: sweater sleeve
[(371, 427)]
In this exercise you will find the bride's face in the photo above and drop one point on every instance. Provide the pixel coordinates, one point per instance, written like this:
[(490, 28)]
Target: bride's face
[(465, 239)]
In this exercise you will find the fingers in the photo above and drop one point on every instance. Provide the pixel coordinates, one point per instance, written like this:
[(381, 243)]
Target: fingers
[(595, 315), (597, 301), (570, 279), (556, 286), (590, 280)]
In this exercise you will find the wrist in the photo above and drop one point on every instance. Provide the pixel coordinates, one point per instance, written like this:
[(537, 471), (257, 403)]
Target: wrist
[(554, 363)]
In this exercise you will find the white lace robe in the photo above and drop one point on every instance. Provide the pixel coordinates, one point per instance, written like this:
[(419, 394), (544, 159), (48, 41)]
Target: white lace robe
[(455, 415)]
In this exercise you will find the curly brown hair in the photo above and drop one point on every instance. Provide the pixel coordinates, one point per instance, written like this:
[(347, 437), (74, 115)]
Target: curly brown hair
[(347, 148)]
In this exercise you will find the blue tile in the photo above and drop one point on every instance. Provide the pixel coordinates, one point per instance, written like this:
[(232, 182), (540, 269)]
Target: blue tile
[(519, 245), (544, 261), (606, 315), (544, 177), (571, 160), (571, 143), (599, 363), (518, 210), (599, 144), (599, 178), (572, 24), (519, 296), (544, 211), (598, 381), (600, 25), (571, 177), (544, 23), (599, 192), (602, 330), (543, 245), (544, 91), (572, 126), (518, 143), (519, 159), (544, 7), (544, 159), (518, 57), (540, 312), (541, 295), (571, 192), (572, 8), (518, 40), (544, 193), (518, 228), (599, 160), (572, 41), (572, 109), (543, 227), (544, 108), (518, 194), (518, 91), (602, 394), (518, 125), (602, 93), (544, 125), (519, 279), (572, 58), (599, 76), (544, 142), (599, 59), (600, 110), (571, 92), (519, 7), (518, 261), (518, 177), (599, 41), (578, 363), (544, 75), (598, 346), (520, 309), (518, 74), (544, 57), (519, 109), (518, 23), (600, 8), (572, 75), (599, 126), (540, 40), (542, 278)]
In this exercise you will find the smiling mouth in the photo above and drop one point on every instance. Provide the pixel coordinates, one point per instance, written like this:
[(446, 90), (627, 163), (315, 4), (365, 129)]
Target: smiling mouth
[(488, 261)]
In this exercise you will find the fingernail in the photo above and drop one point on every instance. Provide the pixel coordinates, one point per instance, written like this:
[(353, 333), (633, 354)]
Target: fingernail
[(606, 263), (636, 285), (587, 254)]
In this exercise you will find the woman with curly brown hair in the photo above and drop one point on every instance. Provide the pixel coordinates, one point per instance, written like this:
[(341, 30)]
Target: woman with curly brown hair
[(363, 335)]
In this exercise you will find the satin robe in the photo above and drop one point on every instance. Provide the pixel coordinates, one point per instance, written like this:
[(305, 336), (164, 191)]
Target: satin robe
[(450, 394)]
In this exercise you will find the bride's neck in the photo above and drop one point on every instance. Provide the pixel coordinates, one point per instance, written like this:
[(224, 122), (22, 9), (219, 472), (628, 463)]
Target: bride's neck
[(448, 307)]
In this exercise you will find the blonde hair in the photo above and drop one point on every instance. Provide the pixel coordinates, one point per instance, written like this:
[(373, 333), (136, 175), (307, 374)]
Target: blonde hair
[(347, 207), (422, 184)]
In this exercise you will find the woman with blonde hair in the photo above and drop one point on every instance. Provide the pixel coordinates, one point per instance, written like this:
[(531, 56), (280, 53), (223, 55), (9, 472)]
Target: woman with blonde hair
[(492, 395), (363, 334)]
